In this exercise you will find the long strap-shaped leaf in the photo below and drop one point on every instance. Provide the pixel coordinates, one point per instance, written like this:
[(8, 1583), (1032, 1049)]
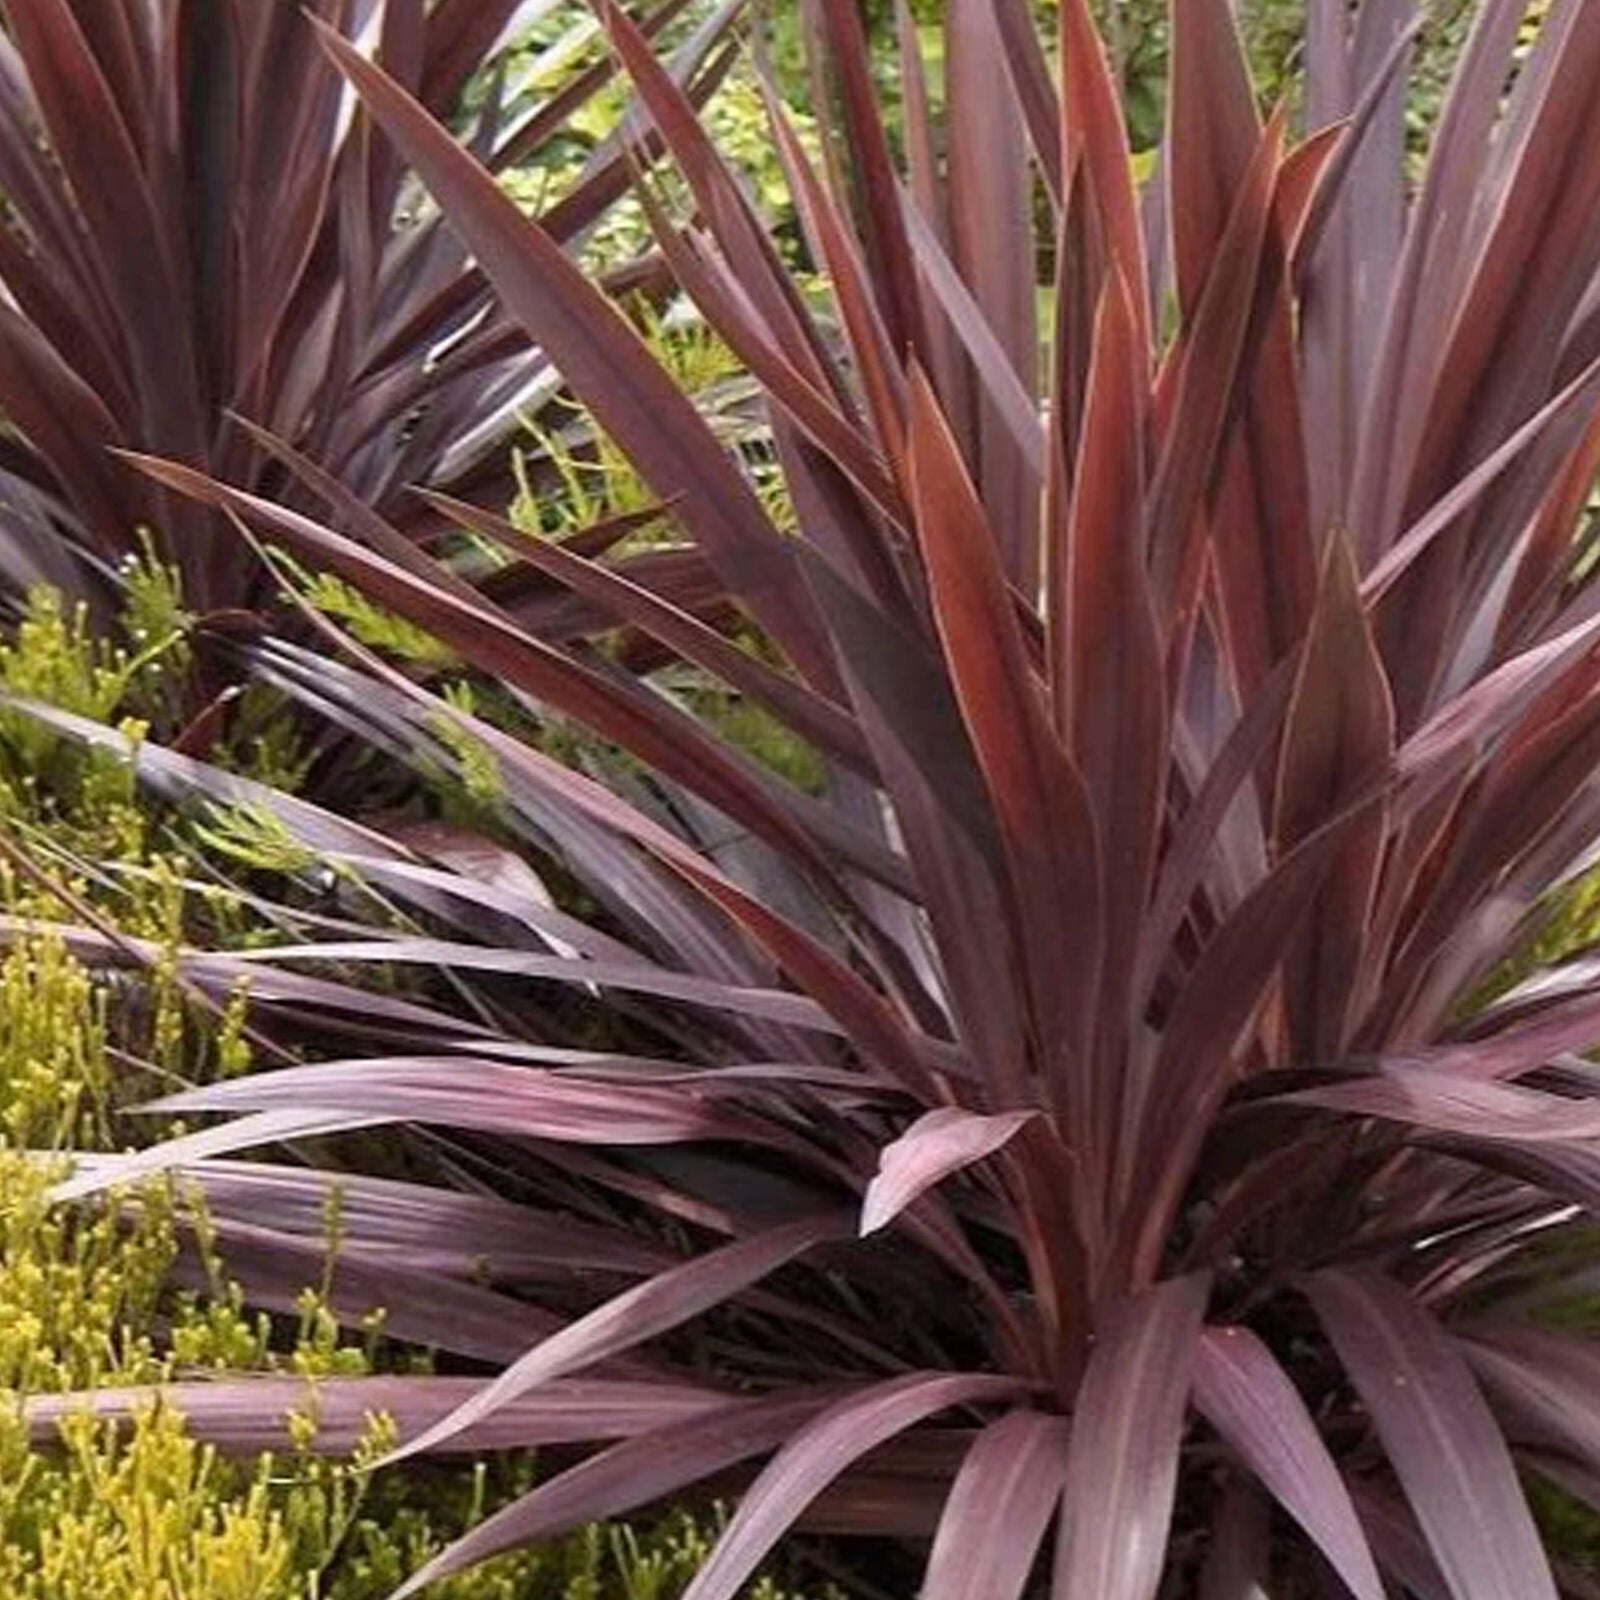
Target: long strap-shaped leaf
[(1439, 1435), (1000, 1505), (1339, 739), (722, 205), (1264, 558), (820, 1452), (92, 141), (990, 186), (651, 1308), (1030, 79), (1545, 1383), (1106, 661), (819, 720), (1203, 373), (1248, 1398), (616, 708), (873, 1025), (256, 1414), (492, 1096), (242, 1133), (887, 250), (442, 1230), (1037, 792), (1092, 121), (1451, 1102), (1194, 1065), (1127, 1426), (658, 1461)]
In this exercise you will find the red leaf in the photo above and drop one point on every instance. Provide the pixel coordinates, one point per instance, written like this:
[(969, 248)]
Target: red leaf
[(1030, 80), (660, 1459), (1546, 1384), (1107, 658), (1092, 122), (997, 377), (605, 361), (1212, 135), (875, 359), (1446, 1102), (1194, 1064), (1038, 795), (1208, 366), (1339, 740), (671, 740), (865, 136), (243, 1133), (491, 1096), (247, 1416), (991, 230), (805, 712)]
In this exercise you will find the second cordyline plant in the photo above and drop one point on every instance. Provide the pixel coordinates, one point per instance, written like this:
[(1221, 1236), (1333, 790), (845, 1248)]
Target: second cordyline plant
[(201, 234), (1090, 1130)]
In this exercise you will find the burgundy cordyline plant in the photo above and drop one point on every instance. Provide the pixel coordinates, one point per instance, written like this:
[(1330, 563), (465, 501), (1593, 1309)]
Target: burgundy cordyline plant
[(198, 228), (1090, 1132)]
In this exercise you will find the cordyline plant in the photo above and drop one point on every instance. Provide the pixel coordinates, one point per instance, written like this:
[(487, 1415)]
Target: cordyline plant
[(198, 230), (1209, 712)]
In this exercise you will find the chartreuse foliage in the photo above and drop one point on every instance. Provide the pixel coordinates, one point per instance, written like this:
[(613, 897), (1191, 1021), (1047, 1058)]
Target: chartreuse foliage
[(1069, 1136), (79, 1297)]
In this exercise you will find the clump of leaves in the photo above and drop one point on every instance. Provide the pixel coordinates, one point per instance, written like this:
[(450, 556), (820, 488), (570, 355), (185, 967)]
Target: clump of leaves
[(577, 477), (55, 657), (188, 249), (1069, 1135), (54, 1076), (374, 627)]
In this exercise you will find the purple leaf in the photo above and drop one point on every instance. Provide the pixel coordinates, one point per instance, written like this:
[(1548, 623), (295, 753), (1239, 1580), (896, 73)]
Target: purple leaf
[(1447, 1102), (661, 1303), (243, 1133), (819, 1453), (1240, 1558), (1546, 1384), (245, 1416), (1127, 1427), (1000, 1506), (604, 360), (491, 1096), (1338, 740), (1247, 1397), (937, 1144), (1439, 1435), (657, 1461)]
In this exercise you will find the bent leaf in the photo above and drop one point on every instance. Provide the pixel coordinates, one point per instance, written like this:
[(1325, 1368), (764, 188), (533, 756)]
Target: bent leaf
[(937, 1144)]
